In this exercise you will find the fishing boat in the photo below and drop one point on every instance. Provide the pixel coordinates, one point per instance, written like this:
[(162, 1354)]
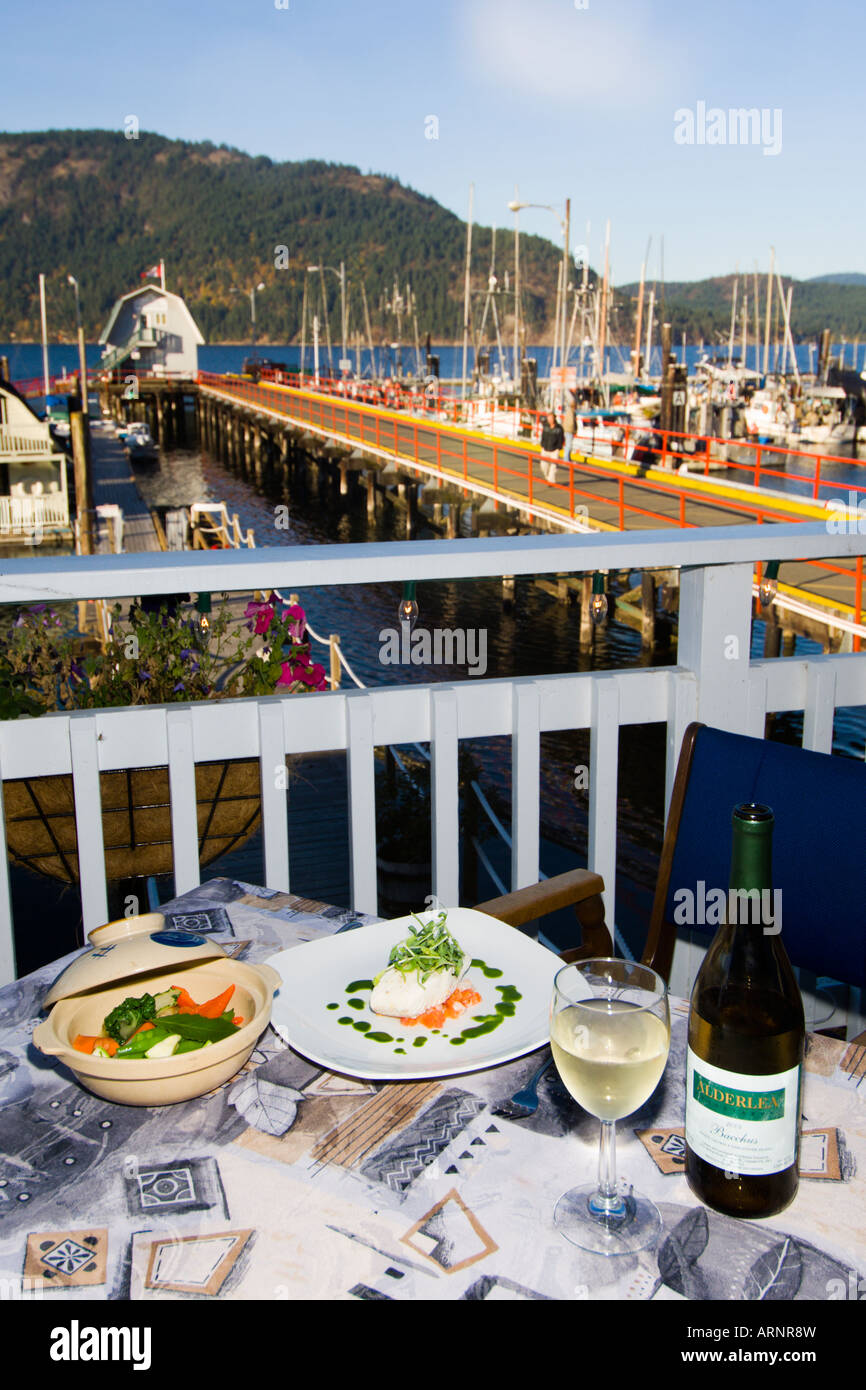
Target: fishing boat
[(769, 415), (826, 415)]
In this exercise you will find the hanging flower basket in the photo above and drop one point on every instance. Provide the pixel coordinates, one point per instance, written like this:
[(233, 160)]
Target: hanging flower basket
[(41, 832)]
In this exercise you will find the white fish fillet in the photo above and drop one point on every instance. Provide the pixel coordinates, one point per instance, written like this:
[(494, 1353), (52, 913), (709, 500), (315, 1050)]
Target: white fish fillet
[(404, 996)]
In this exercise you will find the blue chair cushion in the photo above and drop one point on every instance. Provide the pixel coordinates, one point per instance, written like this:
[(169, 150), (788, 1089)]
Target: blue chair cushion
[(819, 803)]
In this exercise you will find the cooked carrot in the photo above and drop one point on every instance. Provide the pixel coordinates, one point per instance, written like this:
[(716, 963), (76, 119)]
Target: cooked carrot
[(142, 1028), (212, 1008), (85, 1043), (184, 1000)]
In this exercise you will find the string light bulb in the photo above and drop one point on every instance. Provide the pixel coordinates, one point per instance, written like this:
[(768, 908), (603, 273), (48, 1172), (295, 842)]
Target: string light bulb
[(203, 608), (407, 611), (769, 585), (598, 603)]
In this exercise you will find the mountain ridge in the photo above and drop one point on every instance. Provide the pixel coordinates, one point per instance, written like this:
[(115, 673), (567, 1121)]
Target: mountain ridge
[(102, 207)]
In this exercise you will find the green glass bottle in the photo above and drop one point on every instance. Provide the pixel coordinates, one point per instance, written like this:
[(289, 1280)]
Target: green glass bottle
[(746, 1042)]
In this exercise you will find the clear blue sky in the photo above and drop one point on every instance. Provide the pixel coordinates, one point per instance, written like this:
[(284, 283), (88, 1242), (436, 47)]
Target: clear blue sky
[(558, 100)]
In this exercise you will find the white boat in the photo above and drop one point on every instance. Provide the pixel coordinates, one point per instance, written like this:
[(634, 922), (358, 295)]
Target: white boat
[(768, 416), (139, 443), (826, 415)]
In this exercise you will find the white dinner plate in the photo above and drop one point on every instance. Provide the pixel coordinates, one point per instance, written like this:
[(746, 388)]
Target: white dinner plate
[(317, 974)]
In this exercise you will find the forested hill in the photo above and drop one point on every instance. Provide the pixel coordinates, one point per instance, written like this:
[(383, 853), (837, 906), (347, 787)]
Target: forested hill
[(104, 208)]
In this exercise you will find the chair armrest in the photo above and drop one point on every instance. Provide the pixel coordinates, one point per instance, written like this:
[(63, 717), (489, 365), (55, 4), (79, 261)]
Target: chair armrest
[(578, 888)]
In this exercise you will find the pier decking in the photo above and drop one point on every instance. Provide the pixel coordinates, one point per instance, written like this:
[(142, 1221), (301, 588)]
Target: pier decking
[(589, 495), (114, 482)]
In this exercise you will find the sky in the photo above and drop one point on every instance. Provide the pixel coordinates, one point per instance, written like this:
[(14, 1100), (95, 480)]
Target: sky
[(622, 106)]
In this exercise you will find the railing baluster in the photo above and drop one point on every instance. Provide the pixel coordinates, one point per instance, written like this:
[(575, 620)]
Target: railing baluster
[(362, 803), (7, 934), (682, 710), (181, 781), (445, 795), (820, 707), (275, 819), (525, 784), (603, 778), (88, 820)]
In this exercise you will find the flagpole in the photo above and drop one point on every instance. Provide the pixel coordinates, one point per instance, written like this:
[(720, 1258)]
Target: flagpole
[(162, 273)]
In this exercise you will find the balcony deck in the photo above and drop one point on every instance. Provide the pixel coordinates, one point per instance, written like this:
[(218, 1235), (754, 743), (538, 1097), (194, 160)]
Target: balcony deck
[(714, 681)]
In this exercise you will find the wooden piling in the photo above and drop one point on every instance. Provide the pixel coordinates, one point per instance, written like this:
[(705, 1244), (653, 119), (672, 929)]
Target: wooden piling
[(648, 611), (585, 633), (83, 482)]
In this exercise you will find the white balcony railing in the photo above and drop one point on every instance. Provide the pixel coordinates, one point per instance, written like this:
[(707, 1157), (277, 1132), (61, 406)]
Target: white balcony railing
[(18, 442), (714, 680), (29, 516)]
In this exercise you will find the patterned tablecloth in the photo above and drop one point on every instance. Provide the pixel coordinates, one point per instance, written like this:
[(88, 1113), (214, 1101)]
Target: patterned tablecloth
[(290, 1182)]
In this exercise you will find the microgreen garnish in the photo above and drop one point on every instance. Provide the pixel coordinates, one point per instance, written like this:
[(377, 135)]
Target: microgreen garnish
[(429, 947)]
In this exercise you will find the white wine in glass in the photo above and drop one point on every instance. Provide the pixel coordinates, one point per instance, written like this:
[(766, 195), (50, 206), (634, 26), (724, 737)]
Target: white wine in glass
[(610, 1037)]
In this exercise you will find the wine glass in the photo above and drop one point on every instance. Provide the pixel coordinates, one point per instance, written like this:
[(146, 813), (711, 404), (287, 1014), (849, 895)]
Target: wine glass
[(610, 1036)]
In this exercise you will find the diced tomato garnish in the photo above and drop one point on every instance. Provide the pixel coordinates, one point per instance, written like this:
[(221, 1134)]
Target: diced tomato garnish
[(453, 1006)]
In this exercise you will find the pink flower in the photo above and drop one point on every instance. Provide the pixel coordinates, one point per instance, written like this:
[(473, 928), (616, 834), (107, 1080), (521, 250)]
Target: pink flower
[(297, 620), (291, 671), (262, 614)]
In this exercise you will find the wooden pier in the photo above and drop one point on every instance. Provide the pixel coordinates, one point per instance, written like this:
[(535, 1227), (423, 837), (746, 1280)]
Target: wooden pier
[(453, 481)]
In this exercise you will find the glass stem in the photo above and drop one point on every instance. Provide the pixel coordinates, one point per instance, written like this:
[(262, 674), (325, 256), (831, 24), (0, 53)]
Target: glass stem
[(607, 1202)]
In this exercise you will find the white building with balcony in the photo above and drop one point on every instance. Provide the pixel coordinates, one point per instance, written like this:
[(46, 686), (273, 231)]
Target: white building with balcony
[(152, 332), (34, 500)]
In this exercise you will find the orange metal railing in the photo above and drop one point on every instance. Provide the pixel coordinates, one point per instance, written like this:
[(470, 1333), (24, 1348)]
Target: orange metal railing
[(453, 452)]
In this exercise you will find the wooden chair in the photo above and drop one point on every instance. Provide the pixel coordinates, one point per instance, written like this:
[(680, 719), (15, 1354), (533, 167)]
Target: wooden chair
[(820, 808), (577, 887)]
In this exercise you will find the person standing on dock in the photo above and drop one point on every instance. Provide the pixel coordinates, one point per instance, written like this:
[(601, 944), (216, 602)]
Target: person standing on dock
[(569, 425), (552, 439)]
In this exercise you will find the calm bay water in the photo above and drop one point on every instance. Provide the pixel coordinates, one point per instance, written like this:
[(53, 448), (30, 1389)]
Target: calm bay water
[(25, 359)]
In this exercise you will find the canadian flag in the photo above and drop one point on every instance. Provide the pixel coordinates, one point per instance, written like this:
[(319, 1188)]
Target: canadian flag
[(153, 271)]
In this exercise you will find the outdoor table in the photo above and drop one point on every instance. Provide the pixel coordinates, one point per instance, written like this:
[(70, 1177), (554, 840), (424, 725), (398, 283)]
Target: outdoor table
[(293, 1183)]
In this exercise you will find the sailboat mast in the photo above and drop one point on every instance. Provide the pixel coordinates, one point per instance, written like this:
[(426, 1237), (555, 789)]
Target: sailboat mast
[(733, 319), (466, 294), (304, 329), (769, 310), (639, 325)]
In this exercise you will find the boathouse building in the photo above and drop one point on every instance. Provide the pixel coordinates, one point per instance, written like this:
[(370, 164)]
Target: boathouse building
[(151, 331)]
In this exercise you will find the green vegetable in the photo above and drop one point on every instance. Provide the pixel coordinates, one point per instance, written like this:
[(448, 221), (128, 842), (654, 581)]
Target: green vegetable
[(123, 1020), (140, 1045), (429, 948), (166, 1047), (198, 1029), (166, 1000)]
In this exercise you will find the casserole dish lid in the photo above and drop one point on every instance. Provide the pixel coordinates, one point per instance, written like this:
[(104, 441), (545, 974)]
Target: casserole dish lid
[(130, 947)]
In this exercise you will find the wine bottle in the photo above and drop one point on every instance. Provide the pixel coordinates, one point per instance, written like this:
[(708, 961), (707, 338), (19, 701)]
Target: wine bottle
[(746, 1041)]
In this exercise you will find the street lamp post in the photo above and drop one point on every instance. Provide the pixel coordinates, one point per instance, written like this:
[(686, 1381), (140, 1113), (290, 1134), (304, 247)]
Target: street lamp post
[(82, 355), (559, 324), (251, 294), (341, 276)]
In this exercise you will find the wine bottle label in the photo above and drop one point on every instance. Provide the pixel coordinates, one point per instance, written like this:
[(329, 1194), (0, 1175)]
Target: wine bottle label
[(745, 1125)]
